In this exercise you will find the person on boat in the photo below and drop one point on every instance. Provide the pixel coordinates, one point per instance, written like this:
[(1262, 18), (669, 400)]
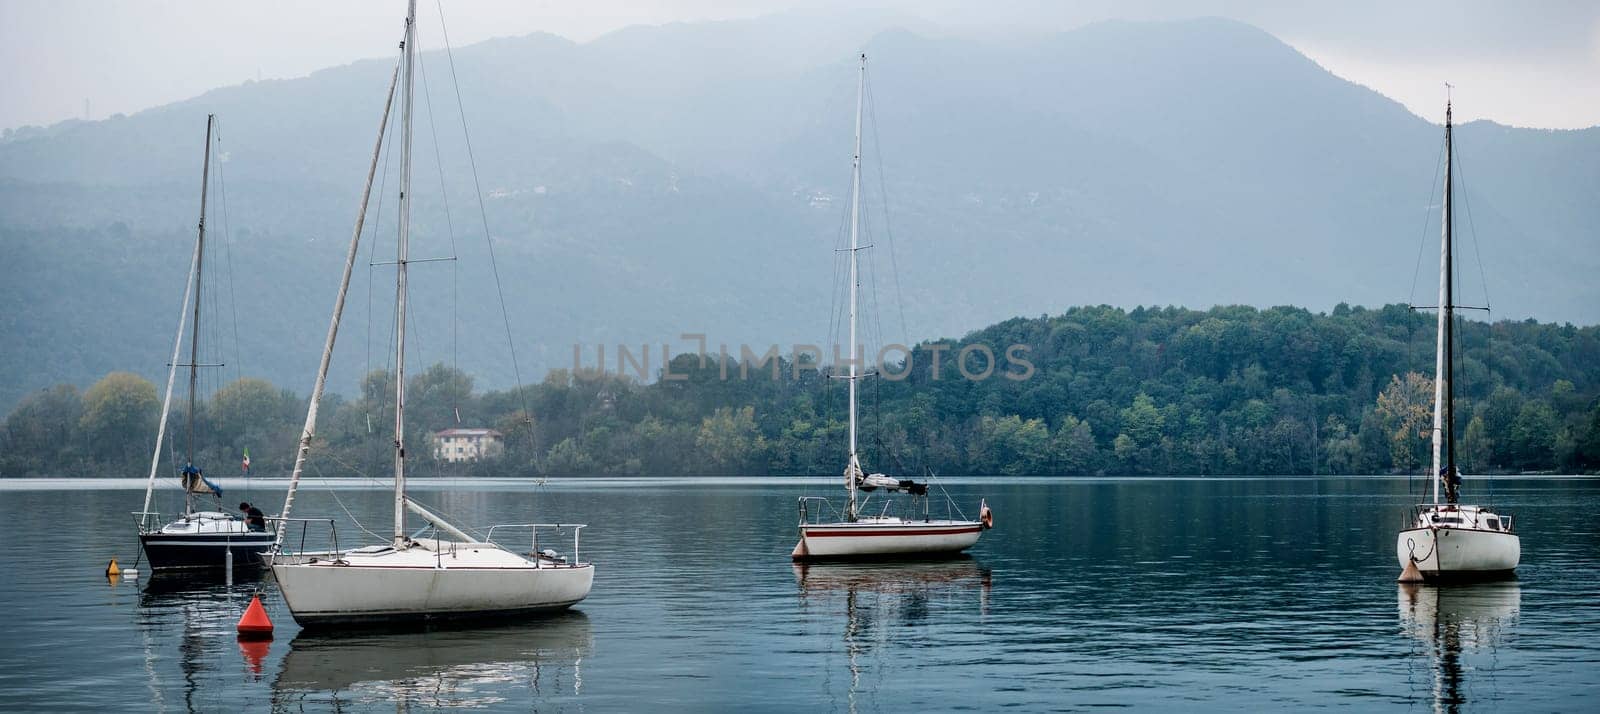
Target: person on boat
[(254, 517), (1452, 482)]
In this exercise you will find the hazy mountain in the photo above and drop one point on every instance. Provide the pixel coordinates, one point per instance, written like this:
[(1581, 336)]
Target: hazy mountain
[(693, 178)]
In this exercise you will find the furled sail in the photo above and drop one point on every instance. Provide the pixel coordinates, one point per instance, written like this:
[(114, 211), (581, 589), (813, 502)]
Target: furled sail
[(873, 482), (195, 482)]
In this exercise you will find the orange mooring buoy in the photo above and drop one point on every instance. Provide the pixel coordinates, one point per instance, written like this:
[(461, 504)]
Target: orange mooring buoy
[(1410, 573), (255, 623)]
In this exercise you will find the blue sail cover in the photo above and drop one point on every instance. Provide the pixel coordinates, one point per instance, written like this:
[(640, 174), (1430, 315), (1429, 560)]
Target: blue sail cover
[(196, 482)]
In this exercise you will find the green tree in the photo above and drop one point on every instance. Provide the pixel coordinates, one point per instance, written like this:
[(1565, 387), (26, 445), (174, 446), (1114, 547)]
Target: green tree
[(440, 397), (1475, 445), (1588, 450), (1011, 445), (1504, 404), (567, 458), (1532, 441), (729, 440), (41, 434), (1073, 449), (1406, 407), (119, 417)]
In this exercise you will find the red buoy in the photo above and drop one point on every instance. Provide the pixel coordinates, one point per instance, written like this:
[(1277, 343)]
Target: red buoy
[(255, 622)]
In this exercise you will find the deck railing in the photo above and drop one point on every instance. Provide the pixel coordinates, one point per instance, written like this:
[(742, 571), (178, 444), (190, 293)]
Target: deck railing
[(301, 554), (815, 510), (1471, 520), (152, 522), (533, 536)]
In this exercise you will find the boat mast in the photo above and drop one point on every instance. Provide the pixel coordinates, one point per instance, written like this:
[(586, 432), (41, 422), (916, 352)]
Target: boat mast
[(308, 432), (194, 336), (1444, 442), (854, 469), (400, 280), (1449, 312)]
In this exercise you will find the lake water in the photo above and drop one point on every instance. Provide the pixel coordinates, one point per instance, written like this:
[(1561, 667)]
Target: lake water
[(1186, 594)]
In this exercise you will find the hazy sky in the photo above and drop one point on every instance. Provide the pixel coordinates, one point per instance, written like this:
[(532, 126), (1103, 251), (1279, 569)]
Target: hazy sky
[(1534, 63)]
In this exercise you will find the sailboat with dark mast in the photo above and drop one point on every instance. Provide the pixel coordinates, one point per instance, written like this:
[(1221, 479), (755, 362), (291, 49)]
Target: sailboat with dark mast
[(198, 538), (856, 533), (1445, 538)]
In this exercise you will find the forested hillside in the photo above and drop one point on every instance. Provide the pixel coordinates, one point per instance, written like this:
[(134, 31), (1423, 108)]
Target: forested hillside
[(1231, 390)]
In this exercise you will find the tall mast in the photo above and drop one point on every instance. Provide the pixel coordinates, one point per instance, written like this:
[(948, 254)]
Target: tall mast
[(1449, 309), (855, 285), (400, 279), (194, 336), (1444, 443)]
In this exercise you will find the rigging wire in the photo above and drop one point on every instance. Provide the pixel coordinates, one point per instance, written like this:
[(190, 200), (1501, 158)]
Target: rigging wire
[(1427, 220), (883, 193), (444, 194), (372, 247), (233, 300), (1472, 229), (483, 214), (227, 243), (838, 299), (335, 494)]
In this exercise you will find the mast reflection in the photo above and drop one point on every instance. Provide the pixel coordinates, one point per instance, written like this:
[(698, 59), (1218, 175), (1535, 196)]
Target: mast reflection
[(205, 604), (882, 599), (1455, 623)]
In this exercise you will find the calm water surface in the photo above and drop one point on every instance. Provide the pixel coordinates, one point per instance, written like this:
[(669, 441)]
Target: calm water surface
[(1191, 594)]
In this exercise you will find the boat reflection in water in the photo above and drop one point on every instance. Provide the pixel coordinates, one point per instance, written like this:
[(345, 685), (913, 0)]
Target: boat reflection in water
[(883, 604), (204, 605), (458, 667), (1456, 623)]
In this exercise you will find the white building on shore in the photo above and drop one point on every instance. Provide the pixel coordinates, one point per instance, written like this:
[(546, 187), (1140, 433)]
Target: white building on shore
[(459, 446)]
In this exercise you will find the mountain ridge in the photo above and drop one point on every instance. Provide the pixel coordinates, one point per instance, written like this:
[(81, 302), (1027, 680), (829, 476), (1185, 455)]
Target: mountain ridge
[(1176, 163)]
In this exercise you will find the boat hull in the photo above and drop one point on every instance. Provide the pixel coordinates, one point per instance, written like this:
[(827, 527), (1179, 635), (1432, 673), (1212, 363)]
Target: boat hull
[(849, 540), (324, 594), (1442, 553), (195, 551)]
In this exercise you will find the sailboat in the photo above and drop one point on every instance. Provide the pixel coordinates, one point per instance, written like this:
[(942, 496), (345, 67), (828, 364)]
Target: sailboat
[(856, 533), (1446, 538), (407, 578), (198, 538)]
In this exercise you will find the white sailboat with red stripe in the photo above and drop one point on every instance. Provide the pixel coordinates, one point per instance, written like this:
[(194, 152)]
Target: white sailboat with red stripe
[(859, 532)]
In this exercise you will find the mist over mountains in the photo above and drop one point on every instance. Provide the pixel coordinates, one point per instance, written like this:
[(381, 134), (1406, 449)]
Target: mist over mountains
[(694, 177)]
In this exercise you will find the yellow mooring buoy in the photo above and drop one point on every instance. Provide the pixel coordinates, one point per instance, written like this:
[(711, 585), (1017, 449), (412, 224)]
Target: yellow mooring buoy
[(112, 570)]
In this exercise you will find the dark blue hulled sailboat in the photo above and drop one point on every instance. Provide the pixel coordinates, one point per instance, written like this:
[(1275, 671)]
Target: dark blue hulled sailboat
[(197, 538)]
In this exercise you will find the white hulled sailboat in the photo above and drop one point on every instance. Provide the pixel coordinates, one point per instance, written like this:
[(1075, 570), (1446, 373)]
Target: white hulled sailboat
[(198, 538), (1447, 538), (406, 578), (855, 534)]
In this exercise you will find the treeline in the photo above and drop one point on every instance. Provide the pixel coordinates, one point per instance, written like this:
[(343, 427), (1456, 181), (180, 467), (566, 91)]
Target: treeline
[(1231, 390)]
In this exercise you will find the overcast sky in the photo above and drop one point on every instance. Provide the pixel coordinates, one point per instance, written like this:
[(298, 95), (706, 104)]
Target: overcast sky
[(1534, 63)]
